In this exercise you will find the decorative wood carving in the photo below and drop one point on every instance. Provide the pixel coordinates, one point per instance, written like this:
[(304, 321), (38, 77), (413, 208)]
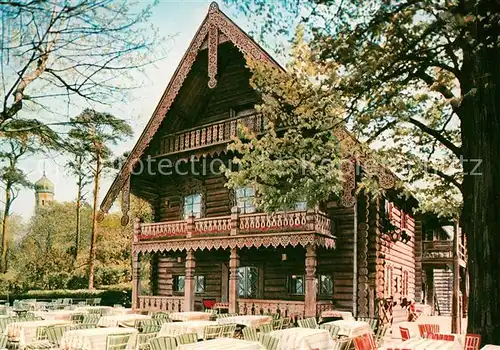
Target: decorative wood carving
[(240, 241), (363, 206), (310, 283), (241, 40), (349, 172), (213, 44), (125, 203)]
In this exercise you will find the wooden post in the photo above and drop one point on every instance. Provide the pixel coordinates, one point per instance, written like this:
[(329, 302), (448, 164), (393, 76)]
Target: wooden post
[(190, 226), (234, 263), (235, 220), (311, 285), (136, 281), (189, 281), (455, 307), (429, 278)]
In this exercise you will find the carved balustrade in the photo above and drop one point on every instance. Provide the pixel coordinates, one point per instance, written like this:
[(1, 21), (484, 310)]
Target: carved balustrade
[(161, 303), (209, 134), (293, 221)]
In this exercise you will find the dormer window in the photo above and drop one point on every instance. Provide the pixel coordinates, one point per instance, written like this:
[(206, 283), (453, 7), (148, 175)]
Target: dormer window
[(302, 205), (192, 205), (244, 200)]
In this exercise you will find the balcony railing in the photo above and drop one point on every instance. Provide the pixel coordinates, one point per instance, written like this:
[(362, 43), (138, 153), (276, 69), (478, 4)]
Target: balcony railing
[(163, 303), (300, 221), (286, 308), (442, 250), (208, 135)]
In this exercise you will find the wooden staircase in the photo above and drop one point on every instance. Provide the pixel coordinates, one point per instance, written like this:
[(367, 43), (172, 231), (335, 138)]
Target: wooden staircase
[(443, 291)]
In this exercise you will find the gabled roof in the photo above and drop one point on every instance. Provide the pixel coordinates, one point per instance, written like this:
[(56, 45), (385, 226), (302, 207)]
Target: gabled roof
[(214, 23)]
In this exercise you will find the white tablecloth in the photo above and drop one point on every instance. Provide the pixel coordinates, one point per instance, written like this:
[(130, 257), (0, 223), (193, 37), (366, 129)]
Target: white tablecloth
[(223, 344), (25, 332), (352, 328), (346, 315), (190, 316), (126, 320), (303, 339), (176, 328), (490, 347), (95, 338), (426, 310), (57, 314), (248, 320), (424, 344)]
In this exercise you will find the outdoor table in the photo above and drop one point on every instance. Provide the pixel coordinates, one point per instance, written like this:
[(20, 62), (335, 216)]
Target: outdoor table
[(25, 332), (303, 339), (175, 328), (424, 344), (56, 314), (345, 315), (118, 311), (490, 347), (95, 338), (190, 316), (223, 344), (425, 310), (121, 320), (352, 329), (246, 320), (105, 309)]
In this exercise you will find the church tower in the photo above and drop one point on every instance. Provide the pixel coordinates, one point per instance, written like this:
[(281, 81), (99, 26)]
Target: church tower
[(44, 191)]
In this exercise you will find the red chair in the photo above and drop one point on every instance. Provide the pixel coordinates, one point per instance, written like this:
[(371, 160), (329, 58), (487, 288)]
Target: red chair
[(472, 342), (422, 331), (405, 333), (365, 342), (426, 329), (432, 328), (208, 304)]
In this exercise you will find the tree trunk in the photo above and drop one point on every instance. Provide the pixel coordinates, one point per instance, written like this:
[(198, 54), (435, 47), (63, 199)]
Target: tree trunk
[(93, 242), (6, 213), (78, 206), (481, 143)]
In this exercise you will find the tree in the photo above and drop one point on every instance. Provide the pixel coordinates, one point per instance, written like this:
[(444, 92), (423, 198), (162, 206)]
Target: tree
[(420, 83), (77, 166), (13, 180), (69, 52), (95, 133)]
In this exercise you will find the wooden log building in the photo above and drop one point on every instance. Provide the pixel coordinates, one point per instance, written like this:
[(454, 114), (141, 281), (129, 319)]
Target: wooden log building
[(209, 243)]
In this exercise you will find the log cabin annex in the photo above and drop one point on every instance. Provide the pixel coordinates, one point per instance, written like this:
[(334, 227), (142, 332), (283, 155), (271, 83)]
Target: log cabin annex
[(209, 242)]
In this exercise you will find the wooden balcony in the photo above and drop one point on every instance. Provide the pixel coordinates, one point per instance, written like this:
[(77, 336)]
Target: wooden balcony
[(296, 227), (208, 134), (160, 303), (440, 253)]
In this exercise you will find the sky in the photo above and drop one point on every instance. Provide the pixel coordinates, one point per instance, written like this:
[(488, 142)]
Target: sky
[(179, 18)]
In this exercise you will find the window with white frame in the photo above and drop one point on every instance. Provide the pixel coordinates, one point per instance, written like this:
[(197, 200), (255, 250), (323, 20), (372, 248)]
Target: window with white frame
[(244, 200), (325, 285), (179, 282), (199, 284), (248, 277), (296, 284), (192, 205)]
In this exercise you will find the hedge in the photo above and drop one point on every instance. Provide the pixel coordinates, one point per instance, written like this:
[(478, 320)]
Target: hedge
[(110, 295)]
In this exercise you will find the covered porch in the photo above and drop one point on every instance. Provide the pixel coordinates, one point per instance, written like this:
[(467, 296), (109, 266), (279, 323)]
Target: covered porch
[(265, 274)]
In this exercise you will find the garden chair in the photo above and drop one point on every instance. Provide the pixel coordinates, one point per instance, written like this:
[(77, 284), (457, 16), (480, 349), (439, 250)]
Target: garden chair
[(4, 322), (162, 343), (77, 317), (3, 341), (287, 321), (41, 341), (268, 341), (365, 342), (91, 319), (228, 330), (308, 323), (89, 302), (55, 333), (382, 333), (278, 324), (373, 322), (186, 338), (142, 342), (161, 315), (97, 301), (82, 303), (266, 328), (67, 301), (151, 328), (117, 341), (332, 329), (342, 344), (405, 333), (250, 333), (472, 342), (212, 332), (425, 329), (95, 311)]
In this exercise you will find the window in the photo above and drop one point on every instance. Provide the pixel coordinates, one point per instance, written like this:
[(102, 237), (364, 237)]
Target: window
[(244, 200), (199, 284), (192, 204), (325, 285), (179, 283), (296, 284), (388, 281), (302, 205), (405, 283), (248, 277)]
